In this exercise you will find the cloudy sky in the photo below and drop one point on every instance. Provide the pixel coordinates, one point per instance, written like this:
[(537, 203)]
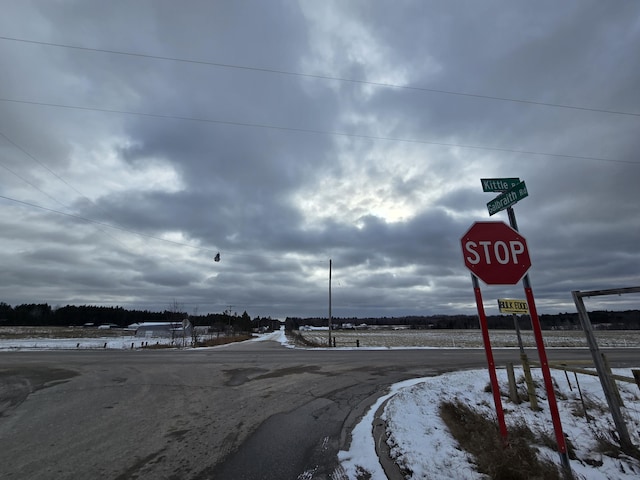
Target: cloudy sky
[(140, 138)]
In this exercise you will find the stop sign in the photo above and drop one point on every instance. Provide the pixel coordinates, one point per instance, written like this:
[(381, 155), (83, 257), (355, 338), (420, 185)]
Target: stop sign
[(495, 253)]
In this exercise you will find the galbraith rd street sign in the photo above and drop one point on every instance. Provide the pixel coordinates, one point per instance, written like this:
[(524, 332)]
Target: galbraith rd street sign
[(508, 198)]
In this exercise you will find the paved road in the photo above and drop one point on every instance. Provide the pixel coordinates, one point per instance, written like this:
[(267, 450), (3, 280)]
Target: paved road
[(248, 411)]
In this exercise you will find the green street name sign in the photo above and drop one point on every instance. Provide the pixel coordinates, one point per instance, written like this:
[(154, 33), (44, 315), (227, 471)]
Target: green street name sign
[(509, 305), (508, 198), (498, 184)]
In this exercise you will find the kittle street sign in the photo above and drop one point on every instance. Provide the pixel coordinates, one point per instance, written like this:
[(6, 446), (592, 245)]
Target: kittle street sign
[(498, 184)]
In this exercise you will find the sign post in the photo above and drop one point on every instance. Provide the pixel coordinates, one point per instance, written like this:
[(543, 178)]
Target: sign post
[(496, 254), (506, 201), (493, 377), (515, 307)]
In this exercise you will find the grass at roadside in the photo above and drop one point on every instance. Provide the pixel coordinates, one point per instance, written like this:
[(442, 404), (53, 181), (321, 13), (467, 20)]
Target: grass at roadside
[(212, 342), (479, 436)]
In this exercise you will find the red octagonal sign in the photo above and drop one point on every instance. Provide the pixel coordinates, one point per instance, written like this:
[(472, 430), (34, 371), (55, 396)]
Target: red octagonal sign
[(495, 253)]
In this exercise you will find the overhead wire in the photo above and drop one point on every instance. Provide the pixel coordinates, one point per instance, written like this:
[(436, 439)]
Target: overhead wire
[(32, 157), (281, 127), (95, 222), (141, 234), (103, 224), (19, 147), (322, 77), (313, 131)]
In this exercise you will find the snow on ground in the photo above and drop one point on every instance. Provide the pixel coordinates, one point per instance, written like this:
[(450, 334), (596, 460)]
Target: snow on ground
[(79, 343), (419, 438), (277, 336), (421, 442), (469, 338)]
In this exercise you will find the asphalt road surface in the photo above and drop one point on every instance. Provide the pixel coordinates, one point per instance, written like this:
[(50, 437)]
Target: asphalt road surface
[(254, 411)]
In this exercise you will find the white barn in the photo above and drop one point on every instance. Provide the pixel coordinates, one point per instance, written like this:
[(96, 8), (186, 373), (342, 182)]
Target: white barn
[(162, 329)]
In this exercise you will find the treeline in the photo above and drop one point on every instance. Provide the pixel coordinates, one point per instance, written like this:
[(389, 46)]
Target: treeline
[(626, 320), (42, 314)]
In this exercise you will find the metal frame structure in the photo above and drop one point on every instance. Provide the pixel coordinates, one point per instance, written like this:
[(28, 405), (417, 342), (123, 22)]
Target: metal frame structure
[(608, 383)]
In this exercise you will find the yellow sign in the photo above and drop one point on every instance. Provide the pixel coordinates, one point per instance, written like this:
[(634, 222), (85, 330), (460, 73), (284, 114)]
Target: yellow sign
[(509, 305)]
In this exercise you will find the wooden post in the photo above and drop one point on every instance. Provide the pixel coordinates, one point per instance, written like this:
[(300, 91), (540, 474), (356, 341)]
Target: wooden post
[(616, 391), (531, 387), (517, 327), (513, 388), (636, 375), (603, 374)]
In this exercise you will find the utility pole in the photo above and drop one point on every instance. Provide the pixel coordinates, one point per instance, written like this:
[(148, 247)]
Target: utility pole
[(330, 265), (229, 316)]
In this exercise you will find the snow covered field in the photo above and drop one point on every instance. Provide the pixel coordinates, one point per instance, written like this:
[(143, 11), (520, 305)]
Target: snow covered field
[(420, 441), (85, 339), (19, 338), (77, 338), (468, 338)]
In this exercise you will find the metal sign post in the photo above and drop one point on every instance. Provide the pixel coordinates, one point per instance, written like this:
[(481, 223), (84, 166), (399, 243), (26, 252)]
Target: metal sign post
[(495, 387), (544, 364), (497, 255), (506, 200)]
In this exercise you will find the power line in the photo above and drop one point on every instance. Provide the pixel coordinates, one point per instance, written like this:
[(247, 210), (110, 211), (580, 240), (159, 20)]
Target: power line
[(19, 147), (32, 184), (315, 131), (96, 222), (324, 77), (173, 242), (50, 197)]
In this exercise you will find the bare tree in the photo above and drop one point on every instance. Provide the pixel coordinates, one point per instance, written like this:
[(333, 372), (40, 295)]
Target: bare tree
[(195, 336), (176, 315)]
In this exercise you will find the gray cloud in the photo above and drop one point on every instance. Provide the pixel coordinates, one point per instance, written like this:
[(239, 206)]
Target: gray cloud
[(147, 167)]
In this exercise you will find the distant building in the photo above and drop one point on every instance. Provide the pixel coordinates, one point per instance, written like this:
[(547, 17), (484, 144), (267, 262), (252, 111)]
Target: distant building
[(162, 329)]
